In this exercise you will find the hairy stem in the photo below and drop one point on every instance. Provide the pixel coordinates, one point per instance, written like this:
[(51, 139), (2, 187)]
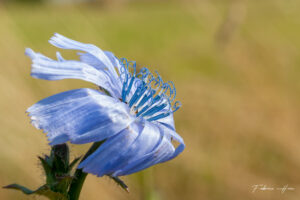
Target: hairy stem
[(79, 176)]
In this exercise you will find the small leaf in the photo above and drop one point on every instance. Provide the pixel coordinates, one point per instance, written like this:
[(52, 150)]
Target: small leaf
[(19, 187), (43, 190), (72, 164)]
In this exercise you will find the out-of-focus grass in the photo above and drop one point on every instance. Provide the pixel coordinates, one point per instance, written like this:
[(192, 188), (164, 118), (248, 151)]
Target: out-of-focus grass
[(236, 66)]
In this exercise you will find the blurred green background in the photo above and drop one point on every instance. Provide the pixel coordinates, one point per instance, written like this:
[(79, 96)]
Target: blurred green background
[(236, 67)]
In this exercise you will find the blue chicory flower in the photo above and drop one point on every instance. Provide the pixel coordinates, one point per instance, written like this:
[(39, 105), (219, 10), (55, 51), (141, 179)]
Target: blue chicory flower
[(135, 119)]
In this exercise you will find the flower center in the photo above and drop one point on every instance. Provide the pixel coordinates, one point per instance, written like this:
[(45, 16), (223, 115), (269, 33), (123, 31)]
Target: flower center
[(147, 95)]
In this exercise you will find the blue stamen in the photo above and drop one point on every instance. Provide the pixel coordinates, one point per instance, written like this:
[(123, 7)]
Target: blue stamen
[(145, 98), (160, 116), (157, 100), (127, 91), (125, 73), (137, 94), (151, 94), (176, 107), (173, 91), (124, 88), (154, 109), (144, 72)]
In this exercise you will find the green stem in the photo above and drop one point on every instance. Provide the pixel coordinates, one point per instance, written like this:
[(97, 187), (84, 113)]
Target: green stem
[(79, 176)]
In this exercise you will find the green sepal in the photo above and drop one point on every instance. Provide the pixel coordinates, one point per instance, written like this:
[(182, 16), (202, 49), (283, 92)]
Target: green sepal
[(60, 155), (62, 184), (120, 183), (47, 166)]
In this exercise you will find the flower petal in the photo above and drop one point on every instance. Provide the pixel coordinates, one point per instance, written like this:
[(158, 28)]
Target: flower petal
[(168, 122), (114, 60), (159, 154), (163, 152), (102, 60), (66, 43), (133, 150), (99, 162), (81, 116), (48, 69), (93, 61), (173, 136), (129, 145)]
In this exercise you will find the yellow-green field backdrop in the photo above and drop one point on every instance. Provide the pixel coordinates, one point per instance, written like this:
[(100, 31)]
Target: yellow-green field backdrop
[(236, 67)]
